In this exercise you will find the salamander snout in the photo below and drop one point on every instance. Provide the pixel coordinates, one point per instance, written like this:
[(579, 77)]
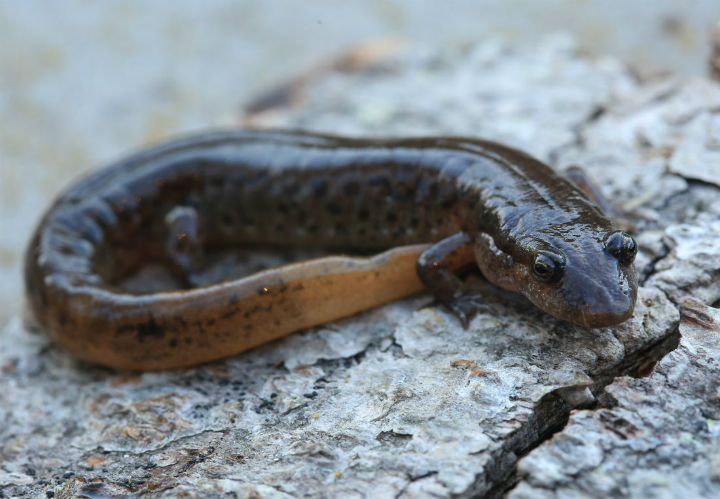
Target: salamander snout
[(608, 283), (608, 306)]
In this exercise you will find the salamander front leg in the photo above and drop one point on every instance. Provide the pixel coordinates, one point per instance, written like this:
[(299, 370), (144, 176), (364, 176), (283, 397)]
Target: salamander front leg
[(183, 245), (436, 268)]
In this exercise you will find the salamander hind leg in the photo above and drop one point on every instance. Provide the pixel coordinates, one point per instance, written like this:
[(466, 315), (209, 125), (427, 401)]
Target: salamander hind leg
[(437, 267), (183, 244)]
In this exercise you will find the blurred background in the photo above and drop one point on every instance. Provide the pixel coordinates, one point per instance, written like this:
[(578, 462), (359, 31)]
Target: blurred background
[(84, 82)]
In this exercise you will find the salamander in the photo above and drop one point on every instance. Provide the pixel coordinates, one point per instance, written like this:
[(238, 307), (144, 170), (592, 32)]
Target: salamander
[(439, 203)]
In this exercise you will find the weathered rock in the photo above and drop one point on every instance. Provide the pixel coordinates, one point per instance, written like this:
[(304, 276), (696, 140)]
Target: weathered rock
[(657, 438), (693, 266), (400, 401)]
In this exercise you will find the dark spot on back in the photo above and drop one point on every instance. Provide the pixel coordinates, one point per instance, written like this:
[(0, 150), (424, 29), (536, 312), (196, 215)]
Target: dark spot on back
[(319, 188), (333, 208), (352, 188), (380, 185), (217, 182), (290, 189), (301, 216), (402, 193), (448, 202), (227, 219), (257, 179)]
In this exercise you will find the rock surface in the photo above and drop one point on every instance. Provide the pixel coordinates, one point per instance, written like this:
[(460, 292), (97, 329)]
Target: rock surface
[(402, 401), (656, 436)]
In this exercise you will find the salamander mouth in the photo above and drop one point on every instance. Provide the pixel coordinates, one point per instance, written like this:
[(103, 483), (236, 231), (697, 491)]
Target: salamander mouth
[(597, 320), (608, 307)]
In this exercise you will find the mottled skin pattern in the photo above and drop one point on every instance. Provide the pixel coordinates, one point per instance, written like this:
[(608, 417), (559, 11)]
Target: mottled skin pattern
[(527, 229)]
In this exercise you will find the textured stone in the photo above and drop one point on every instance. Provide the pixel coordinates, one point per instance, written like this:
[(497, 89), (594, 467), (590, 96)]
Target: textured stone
[(657, 438)]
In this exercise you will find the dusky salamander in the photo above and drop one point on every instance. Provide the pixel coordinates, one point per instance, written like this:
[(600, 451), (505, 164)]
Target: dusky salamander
[(528, 230)]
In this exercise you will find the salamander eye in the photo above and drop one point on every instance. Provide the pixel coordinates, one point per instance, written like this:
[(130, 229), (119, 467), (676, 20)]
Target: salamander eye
[(548, 266), (621, 246)]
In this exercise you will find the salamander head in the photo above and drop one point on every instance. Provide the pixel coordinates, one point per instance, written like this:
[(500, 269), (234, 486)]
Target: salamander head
[(589, 279)]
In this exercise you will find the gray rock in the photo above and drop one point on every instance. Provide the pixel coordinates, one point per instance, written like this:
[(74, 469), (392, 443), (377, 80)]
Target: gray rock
[(658, 436), (691, 268)]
